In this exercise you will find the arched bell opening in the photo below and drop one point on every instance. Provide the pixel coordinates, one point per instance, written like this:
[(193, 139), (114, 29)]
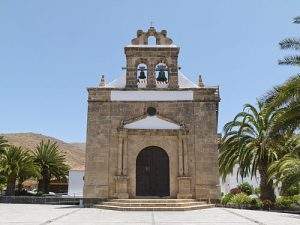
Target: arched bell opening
[(151, 40), (162, 75), (152, 172), (142, 75)]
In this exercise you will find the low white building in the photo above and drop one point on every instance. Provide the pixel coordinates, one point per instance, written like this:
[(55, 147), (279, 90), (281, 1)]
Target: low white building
[(233, 181), (76, 182)]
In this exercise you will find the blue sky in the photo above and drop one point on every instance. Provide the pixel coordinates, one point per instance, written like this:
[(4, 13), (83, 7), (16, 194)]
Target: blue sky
[(50, 51)]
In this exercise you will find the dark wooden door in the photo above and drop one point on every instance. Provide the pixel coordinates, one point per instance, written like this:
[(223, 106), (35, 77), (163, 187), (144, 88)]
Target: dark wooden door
[(152, 172)]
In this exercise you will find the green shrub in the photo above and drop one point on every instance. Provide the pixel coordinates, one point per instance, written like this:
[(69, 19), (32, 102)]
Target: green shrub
[(297, 199), (226, 198), (246, 188), (240, 199), (257, 191), (256, 203), (291, 191), (284, 202)]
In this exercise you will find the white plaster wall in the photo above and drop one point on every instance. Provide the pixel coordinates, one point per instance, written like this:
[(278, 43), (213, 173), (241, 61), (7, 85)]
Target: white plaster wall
[(142, 95), (232, 181), (152, 122), (76, 182)]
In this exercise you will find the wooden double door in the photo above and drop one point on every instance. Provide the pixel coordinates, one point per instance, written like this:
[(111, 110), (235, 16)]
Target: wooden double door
[(152, 172)]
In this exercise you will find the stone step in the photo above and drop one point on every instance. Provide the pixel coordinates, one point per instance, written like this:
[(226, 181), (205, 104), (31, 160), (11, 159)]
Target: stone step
[(154, 200), (156, 208), (152, 204)]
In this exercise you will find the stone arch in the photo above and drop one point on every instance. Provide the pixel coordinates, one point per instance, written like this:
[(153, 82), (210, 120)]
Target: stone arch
[(136, 143), (140, 62), (152, 40), (142, 37), (142, 70), (152, 172)]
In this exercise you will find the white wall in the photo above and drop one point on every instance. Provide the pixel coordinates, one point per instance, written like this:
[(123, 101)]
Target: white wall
[(76, 181), (232, 181)]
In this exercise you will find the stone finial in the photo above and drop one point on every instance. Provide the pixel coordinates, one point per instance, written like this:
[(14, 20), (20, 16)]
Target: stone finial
[(102, 82), (200, 82)]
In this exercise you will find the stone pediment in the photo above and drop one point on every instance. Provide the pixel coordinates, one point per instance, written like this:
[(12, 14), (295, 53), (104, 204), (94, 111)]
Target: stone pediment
[(152, 123)]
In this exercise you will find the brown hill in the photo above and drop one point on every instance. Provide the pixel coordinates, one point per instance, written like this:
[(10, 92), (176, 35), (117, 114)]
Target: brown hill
[(75, 152)]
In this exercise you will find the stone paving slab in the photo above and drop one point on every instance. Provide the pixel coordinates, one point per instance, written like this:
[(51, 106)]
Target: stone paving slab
[(26, 214)]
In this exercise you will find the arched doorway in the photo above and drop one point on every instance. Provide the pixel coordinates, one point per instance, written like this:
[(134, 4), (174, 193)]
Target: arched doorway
[(152, 172)]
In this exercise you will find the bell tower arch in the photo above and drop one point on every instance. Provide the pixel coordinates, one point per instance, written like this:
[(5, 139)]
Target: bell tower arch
[(161, 58)]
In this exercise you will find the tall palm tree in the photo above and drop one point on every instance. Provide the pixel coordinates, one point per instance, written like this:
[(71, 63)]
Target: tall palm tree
[(287, 96), (246, 143), (52, 163), (13, 162)]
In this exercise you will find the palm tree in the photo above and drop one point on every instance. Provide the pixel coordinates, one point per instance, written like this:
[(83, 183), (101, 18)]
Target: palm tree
[(287, 169), (13, 162), (246, 143), (287, 96), (52, 163), (28, 169)]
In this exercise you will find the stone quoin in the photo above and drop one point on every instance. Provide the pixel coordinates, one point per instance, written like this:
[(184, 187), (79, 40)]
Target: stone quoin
[(152, 132)]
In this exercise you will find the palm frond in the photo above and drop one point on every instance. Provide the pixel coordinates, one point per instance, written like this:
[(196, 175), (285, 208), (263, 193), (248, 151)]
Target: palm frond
[(296, 19), (290, 43), (290, 60)]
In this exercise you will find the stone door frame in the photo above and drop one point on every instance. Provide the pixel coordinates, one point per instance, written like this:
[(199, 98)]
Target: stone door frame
[(132, 141)]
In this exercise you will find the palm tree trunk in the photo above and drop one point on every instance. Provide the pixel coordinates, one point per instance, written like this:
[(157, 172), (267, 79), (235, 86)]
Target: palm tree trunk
[(266, 187), (11, 185), (43, 185), (20, 186), (46, 183)]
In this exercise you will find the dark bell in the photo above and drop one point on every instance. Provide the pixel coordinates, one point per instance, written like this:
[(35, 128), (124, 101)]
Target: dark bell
[(161, 76), (142, 75)]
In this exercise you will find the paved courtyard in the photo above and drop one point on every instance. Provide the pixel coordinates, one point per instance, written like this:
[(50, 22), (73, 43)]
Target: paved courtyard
[(67, 215)]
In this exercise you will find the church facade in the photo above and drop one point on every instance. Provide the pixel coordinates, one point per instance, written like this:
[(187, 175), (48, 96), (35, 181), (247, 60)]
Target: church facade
[(152, 132)]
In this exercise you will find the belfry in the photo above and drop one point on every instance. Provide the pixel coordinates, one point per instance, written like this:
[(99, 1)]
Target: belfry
[(152, 132)]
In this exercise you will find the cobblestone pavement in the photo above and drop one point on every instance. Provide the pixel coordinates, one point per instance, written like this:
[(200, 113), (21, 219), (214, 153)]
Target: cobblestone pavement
[(67, 215)]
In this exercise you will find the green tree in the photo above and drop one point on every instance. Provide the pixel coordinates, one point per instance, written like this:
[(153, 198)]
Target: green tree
[(246, 143), (51, 162), (28, 169), (13, 161), (287, 96)]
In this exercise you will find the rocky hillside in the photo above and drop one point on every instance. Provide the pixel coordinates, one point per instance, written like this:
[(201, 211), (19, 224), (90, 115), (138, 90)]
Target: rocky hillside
[(75, 152)]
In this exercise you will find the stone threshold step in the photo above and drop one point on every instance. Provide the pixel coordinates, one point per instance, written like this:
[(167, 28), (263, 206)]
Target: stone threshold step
[(178, 208), (156, 204), (153, 200)]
